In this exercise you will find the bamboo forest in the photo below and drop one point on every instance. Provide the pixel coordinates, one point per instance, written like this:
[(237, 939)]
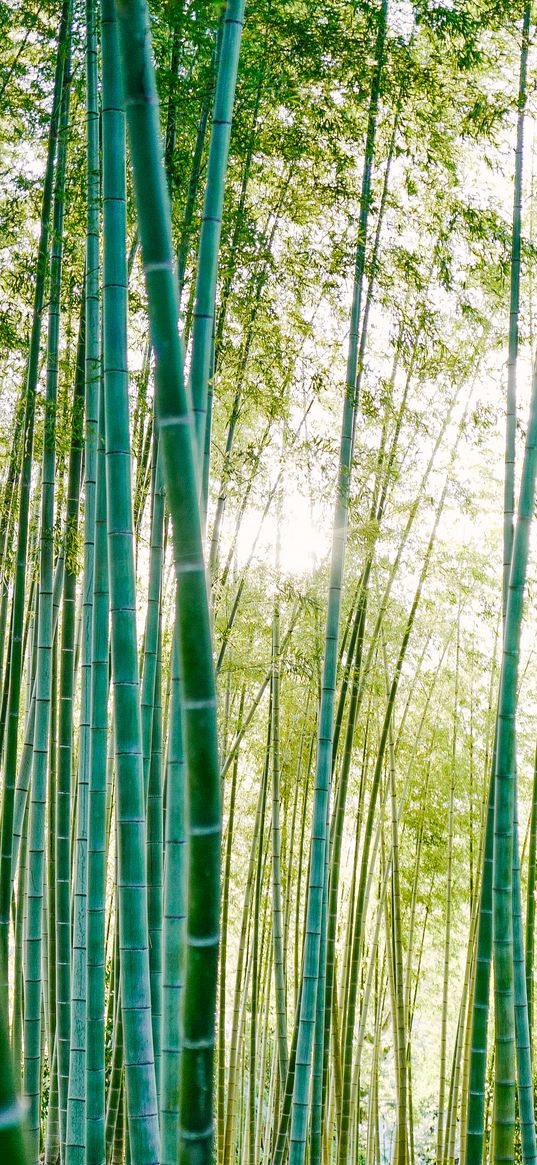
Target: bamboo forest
[(268, 582)]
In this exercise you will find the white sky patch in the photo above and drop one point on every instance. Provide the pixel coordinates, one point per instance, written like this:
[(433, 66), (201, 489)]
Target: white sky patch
[(305, 535), (401, 19)]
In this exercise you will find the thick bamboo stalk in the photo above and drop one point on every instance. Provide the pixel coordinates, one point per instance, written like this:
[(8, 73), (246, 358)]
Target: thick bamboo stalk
[(140, 1086), (181, 459), (504, 1112)]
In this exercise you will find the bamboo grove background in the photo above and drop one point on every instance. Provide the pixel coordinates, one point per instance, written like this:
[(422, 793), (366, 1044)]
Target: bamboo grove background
[(268, 448)]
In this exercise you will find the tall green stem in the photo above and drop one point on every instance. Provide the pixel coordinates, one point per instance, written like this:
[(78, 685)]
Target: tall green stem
[(15, 669), (130, 801)]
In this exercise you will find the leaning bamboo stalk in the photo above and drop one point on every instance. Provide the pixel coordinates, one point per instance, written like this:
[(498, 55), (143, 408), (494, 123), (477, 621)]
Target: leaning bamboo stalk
[(187, 219), (181, 458), (204, 308)]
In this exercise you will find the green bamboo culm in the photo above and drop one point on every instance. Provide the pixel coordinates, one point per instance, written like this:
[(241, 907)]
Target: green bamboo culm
[(12, 1137), (96, 521), (76, 1099), (480, 1006), (211, 225), (140, 1083), (17, 617), (180, 460), (530, 902), (523, 1045), (523, 1042), (155, 841), (510, 986), (514, 307), (502, 897), (33, 974), (478, 1053), (173, 939), (62, 774), (152, 746), (95, 1064), (277, 913)]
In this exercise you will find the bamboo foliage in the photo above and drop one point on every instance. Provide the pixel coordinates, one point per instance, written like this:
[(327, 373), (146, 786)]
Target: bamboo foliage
[(254, 871)]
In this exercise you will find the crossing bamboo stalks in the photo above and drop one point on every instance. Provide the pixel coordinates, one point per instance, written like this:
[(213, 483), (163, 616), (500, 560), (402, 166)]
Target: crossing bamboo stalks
[(181, 450)]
